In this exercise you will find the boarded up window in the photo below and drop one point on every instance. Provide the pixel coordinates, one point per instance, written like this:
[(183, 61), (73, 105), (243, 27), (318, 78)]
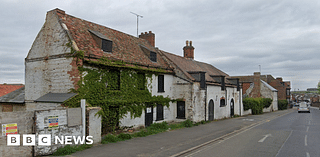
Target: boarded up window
[(160, 83), (113, 82), (141, 81), (222, 83), (202, 80), (222, 102), (7, 108), (181, 110), (106, 45), (159, 112), (153, 56)]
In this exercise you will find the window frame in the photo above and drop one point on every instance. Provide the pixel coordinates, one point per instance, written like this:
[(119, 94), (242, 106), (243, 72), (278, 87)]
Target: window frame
[(161, 83), (160, 112)]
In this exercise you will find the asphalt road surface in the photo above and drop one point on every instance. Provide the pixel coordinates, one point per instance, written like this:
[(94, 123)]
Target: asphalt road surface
[(283, 134), (292, 135)]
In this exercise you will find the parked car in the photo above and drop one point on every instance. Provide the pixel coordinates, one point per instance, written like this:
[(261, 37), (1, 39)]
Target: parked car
[(303, 107)]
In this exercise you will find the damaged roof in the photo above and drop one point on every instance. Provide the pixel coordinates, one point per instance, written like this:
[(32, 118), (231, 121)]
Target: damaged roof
[(126, 48)]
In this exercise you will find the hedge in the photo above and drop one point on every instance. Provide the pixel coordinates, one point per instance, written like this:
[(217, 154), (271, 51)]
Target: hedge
[(256, 104), (282, 104)]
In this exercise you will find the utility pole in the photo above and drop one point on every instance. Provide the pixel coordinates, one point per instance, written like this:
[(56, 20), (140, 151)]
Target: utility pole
[(137, 22)]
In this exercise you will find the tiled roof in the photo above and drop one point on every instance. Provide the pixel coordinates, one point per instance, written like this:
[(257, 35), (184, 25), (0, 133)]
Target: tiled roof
[(8, 88), (244, 78), (189, 65), (16, 96), (125, 47)]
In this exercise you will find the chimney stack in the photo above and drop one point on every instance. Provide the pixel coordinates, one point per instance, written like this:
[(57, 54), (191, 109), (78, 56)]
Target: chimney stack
[(279, 78), (188, 50), (150, 37)]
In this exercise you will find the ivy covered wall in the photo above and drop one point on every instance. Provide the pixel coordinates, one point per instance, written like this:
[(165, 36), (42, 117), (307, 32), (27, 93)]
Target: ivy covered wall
[(117, 90)]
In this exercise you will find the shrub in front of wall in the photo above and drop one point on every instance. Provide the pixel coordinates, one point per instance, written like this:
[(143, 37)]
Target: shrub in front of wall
[(282, 104), (255, 104)]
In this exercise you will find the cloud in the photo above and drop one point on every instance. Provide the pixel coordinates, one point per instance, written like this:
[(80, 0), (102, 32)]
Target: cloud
[(235, 36)]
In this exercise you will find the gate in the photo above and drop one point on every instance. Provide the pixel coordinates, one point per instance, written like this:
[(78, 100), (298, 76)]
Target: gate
[(211, 110)]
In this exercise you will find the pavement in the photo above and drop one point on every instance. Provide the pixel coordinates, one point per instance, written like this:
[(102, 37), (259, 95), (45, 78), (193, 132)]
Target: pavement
[(178, 142)]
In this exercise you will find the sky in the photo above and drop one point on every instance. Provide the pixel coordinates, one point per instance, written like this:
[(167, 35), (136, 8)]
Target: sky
[(239, 37)]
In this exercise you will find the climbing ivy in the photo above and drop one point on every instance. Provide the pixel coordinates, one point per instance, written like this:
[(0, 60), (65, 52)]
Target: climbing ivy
[(117, 89)]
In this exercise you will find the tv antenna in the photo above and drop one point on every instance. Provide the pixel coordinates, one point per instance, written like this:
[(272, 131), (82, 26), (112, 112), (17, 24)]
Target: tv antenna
[(137, 22)]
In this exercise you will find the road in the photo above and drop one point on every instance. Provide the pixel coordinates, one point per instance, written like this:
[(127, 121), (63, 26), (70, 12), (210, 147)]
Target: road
[(281, 134), (294, 134)]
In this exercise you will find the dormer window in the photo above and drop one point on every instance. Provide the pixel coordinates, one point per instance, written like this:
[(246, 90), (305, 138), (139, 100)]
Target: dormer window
[(103, 42), (153, 56), (106, 45)]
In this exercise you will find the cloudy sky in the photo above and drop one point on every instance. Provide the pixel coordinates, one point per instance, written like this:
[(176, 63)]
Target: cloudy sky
[(236, 36)]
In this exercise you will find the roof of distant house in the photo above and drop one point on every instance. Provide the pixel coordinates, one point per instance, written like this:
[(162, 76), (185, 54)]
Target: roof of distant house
[(16, 96), (127, 48), (55, 97), (189, 65), (8, 88)]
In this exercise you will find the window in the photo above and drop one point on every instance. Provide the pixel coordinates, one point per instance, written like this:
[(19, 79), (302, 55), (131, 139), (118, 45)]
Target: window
[(153, 56), (159, 112), (222, 83), (106, 45), (160, 83), (181, 110), (222, 102), (141, 81), (202, 80), (113, 82)]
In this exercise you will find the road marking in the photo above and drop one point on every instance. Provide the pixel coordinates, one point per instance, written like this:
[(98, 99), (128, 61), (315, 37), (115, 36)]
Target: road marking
[(307, 128), (284, 143), (264, 138), (305, 140), (309, 122), (227, 136), (308, 155)]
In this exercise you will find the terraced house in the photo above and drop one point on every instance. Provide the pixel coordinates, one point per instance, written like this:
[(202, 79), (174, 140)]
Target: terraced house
[(134, 82)]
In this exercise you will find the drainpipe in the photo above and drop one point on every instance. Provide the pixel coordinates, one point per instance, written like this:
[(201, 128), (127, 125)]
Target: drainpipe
[(83, 108), (205, 105)]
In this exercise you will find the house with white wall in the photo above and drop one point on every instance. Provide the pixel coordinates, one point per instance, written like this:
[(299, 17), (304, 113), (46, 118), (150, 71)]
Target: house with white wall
[(207, 92), (128, 74)]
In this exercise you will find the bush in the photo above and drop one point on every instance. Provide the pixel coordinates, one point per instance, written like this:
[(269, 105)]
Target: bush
[(123, 136), (266, 102), (109, 139), (187, 123), (282, 104), (256, 104)]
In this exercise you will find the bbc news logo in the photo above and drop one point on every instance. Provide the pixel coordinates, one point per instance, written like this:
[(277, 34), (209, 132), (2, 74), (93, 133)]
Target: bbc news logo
[(45, 140)]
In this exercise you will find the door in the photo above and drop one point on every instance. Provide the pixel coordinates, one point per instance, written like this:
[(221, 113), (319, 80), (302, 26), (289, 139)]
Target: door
[(231, 108), (149, 116), (181, 109), (211, 110)]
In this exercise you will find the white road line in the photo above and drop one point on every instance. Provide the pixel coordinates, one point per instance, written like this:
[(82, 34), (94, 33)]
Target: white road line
[(264, 138), (305, 140), (284, 143), (307, 129), (308, 155), (309, 122)]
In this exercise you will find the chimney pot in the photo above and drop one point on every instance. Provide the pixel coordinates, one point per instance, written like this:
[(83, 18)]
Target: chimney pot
[(188, 51), (150, 37)]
